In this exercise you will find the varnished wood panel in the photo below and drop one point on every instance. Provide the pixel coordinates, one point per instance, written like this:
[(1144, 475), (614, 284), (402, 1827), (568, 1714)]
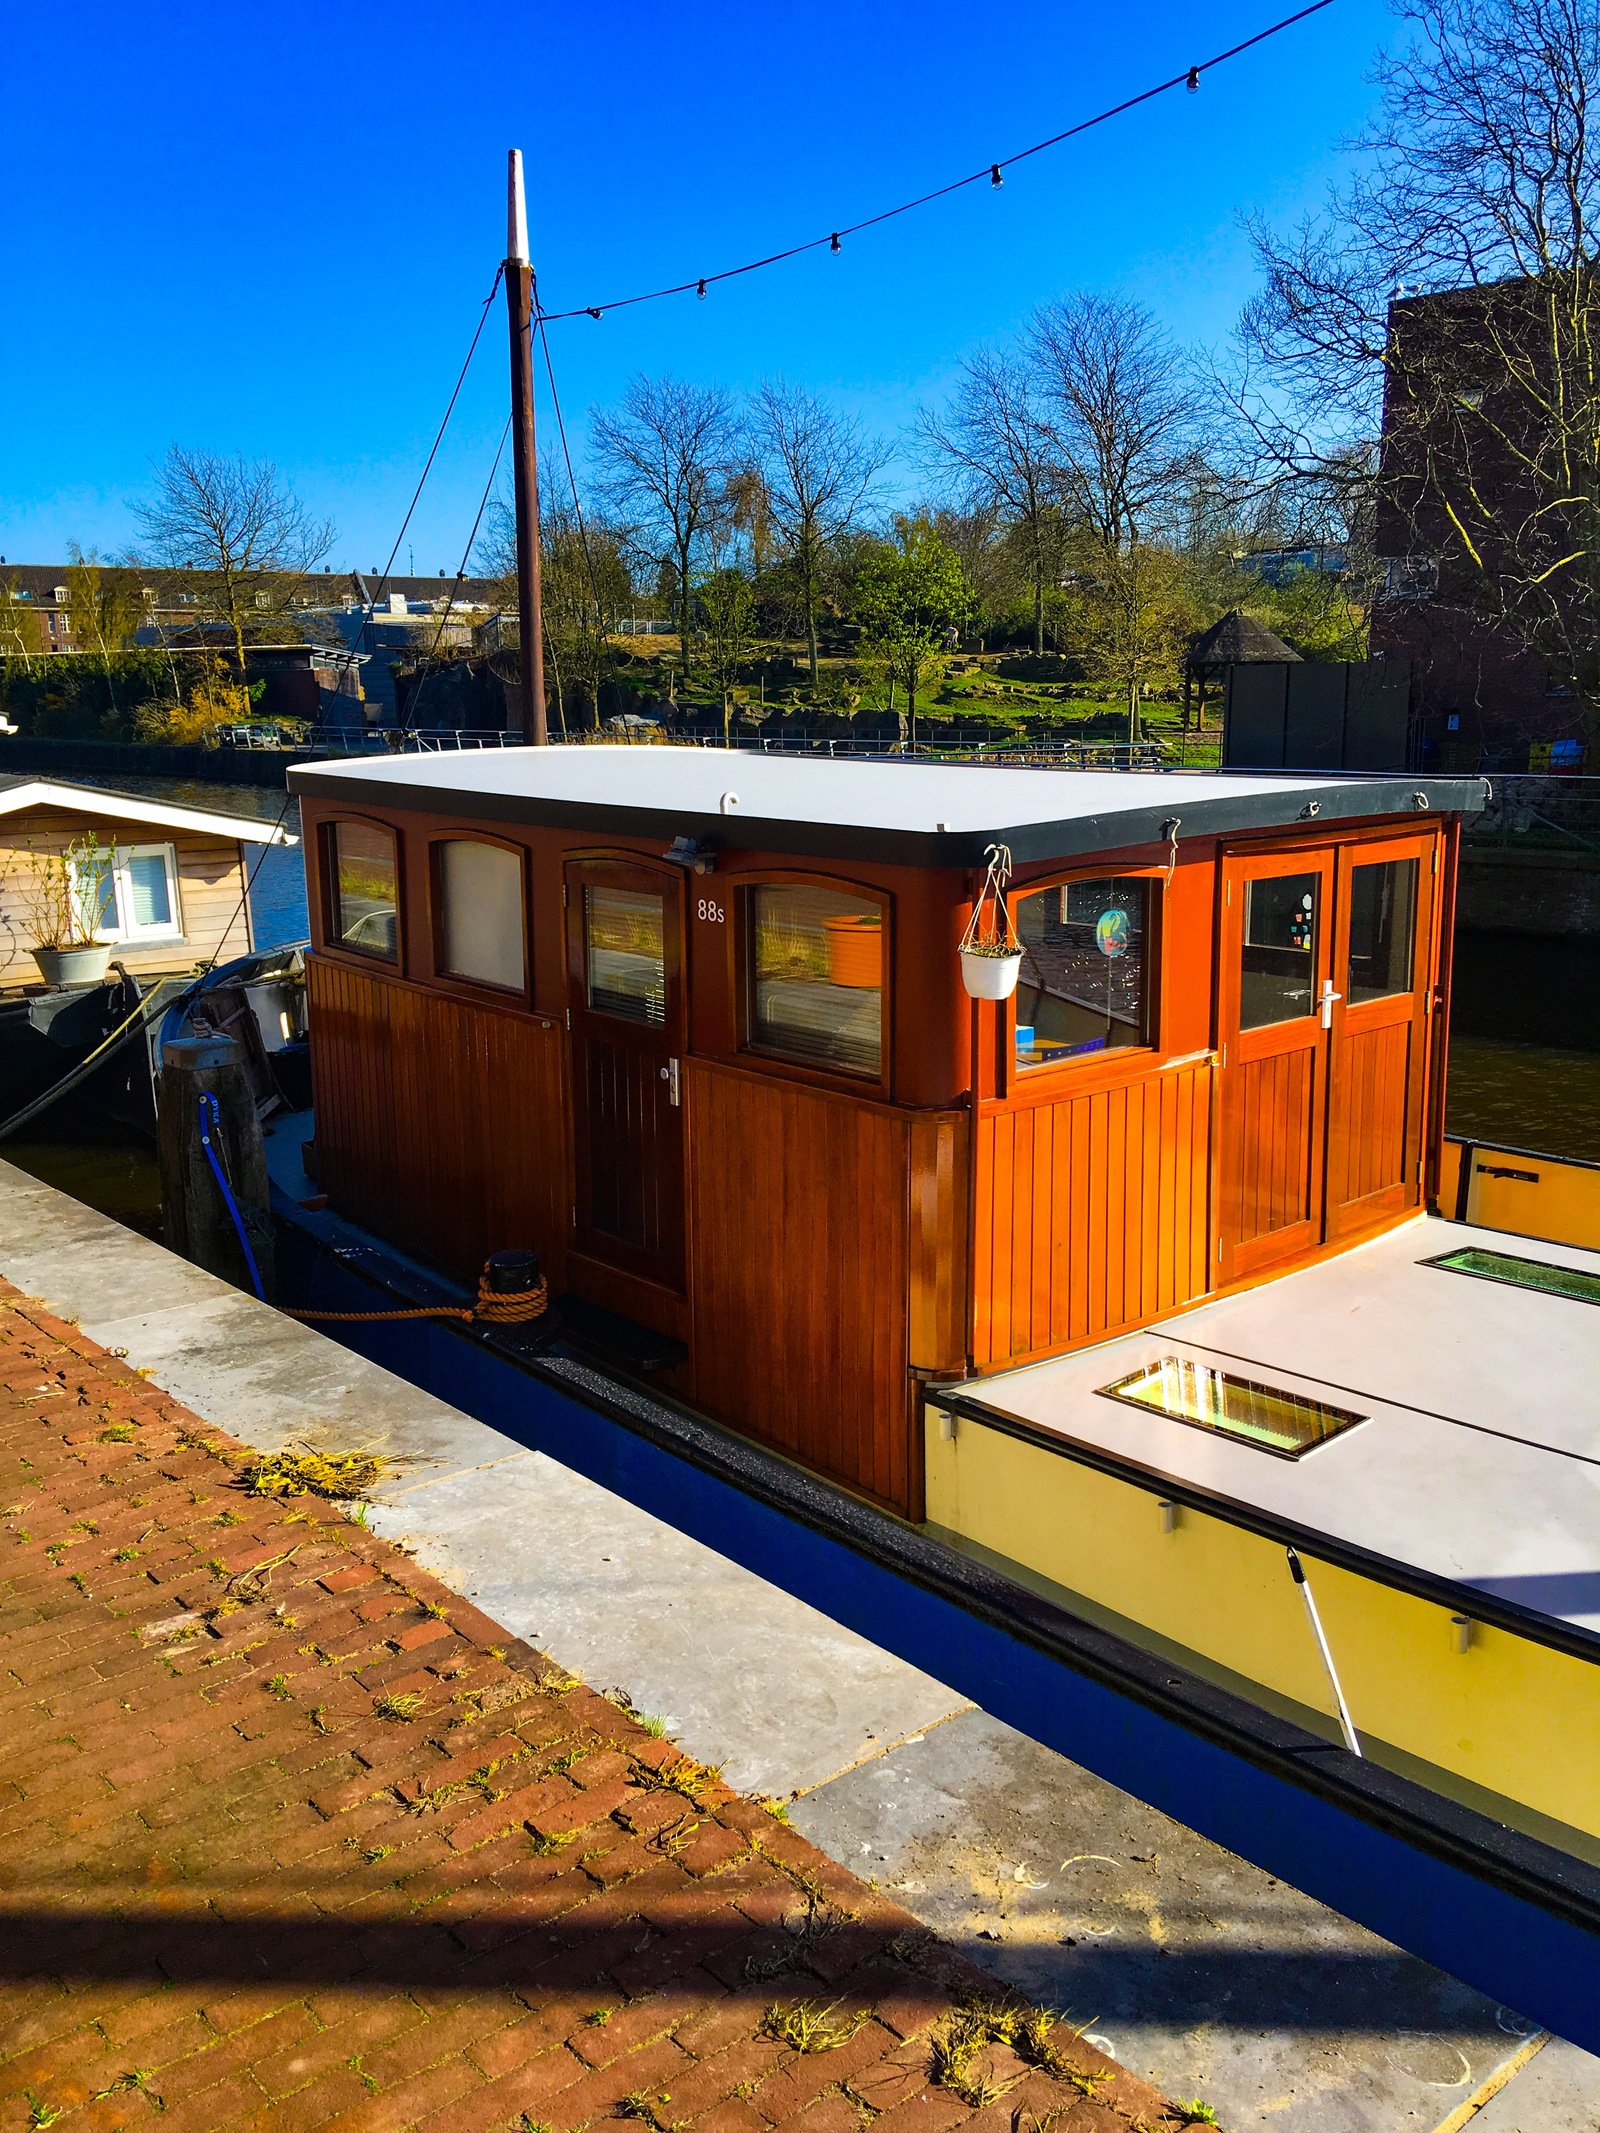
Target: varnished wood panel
[(1376, 1065), (1273, 1144), (805, 1241), (1089, 1212), (439, 1124)]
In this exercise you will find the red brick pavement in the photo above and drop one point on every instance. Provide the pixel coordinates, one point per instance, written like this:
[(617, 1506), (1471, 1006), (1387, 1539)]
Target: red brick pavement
[(292, 1837)]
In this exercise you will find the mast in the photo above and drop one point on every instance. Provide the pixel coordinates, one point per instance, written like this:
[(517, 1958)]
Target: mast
[(519, 302)]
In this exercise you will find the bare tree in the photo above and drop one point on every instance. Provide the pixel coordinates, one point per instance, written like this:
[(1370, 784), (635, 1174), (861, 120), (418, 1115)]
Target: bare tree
[(1477, 211), (997, 438), (669, 451), (819, 468), (1122, 413), (246, 537)]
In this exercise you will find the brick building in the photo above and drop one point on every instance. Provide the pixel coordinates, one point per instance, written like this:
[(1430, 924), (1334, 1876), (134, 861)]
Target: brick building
[(1498, 630)]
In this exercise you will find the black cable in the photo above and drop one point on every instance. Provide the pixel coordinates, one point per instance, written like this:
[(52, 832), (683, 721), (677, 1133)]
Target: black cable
[(1189, 78), (572, 484)]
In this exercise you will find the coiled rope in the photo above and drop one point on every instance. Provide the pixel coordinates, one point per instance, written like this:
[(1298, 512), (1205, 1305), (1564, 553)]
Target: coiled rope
[(490, 1306)]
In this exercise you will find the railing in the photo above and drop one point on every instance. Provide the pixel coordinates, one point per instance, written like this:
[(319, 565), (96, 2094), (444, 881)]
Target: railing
[(1536, 810), (396, 740), (1055, 755)]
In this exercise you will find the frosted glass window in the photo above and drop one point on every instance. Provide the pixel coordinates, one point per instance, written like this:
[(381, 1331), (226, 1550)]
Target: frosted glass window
[(480, 892)]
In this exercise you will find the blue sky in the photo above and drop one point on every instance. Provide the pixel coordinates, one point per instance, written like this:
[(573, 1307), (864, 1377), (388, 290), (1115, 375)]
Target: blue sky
[(269, 231)]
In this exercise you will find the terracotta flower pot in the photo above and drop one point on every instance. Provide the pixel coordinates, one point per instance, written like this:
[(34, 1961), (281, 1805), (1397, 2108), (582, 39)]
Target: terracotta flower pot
[(73, 966), (855, 951)]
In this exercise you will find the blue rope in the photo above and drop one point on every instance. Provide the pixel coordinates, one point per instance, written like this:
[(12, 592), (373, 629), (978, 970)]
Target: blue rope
[(208, 1106)]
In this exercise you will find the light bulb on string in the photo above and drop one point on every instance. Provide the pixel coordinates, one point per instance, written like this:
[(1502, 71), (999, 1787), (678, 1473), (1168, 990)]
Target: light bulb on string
[(1193, 82), (834, 244), (701, 292), (595, 311), (995, 178)]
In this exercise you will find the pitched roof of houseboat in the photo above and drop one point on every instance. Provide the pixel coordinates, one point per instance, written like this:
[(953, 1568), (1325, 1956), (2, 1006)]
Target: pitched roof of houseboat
[(19, 795), (914, 812)]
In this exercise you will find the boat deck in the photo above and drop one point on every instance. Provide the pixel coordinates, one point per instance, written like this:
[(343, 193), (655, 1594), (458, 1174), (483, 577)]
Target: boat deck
[(1478, 1458)]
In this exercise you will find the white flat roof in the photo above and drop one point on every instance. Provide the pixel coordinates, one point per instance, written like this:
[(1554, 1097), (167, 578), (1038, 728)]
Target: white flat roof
[(1479, 1463), (921, 813), (19, 794)]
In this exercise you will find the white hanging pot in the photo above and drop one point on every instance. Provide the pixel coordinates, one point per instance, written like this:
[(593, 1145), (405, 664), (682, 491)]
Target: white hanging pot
[(990, 977)]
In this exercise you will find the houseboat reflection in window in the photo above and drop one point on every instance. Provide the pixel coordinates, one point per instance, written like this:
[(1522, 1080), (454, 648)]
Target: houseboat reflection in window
[(480, 899), (1383, 898), (364, 889), (1278, 965), (816, 991), (1084, 983), (624, 935)]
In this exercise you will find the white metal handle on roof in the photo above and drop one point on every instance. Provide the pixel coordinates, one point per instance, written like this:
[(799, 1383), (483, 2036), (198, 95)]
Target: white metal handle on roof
[(729, 799)]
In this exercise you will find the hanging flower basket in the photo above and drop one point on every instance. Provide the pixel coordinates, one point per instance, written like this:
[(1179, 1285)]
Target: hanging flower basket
[(990, 974), (991, 954)]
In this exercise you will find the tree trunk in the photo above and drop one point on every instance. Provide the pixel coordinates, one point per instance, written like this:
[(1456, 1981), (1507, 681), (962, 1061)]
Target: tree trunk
[(1133, 712), (683, 612), (1038, 606)]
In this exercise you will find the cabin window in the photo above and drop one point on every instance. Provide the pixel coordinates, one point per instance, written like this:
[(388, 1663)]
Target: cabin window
[(816, 976), (1278, 965), (1085, 977), (364, 897), (625, 952), (130, 893), (1383, 901), (480, 912)]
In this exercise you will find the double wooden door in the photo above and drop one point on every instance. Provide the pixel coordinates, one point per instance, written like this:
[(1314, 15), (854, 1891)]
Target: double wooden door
[(1325, 988), (625, 989)]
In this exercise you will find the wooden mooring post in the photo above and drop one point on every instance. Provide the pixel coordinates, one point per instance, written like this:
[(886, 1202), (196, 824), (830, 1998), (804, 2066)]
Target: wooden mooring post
[(206, 1123)]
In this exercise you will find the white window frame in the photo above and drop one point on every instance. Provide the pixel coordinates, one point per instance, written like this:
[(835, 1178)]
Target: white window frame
[(125, 931)]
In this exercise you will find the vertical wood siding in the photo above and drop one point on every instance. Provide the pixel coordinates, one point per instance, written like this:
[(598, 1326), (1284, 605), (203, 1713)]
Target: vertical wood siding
[(799, 1266), (439, 1124), (1273, 1144), (1090, 1213), (1371, 1152)]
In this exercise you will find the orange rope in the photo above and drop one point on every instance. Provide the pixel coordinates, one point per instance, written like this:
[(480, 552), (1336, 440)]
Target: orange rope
[(489, 1305)]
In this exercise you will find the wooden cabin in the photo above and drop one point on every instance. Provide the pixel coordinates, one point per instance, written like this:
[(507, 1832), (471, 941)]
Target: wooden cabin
[(692, 1024), (170, 885)]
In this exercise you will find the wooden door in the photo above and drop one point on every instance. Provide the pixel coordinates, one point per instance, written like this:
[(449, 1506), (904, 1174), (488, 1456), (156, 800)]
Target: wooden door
[(1277, 957), (625, 985), (1382, 963)]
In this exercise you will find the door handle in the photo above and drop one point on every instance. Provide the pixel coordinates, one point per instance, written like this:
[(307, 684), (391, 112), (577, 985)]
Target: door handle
[(669, 1074), (1326, 1003)]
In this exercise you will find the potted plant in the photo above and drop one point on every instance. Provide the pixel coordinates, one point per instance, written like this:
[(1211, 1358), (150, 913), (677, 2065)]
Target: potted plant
[(991, 954), (63, 897)]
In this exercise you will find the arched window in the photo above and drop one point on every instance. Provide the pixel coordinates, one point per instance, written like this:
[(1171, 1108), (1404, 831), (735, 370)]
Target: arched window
[(363, 885), (482, 928), (816, 976)]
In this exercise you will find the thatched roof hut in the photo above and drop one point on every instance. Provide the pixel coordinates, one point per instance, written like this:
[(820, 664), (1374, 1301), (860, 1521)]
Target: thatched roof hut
[(1235, 641)]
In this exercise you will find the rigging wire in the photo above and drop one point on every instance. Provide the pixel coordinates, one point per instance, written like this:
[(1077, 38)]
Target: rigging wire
[(572, 479), (466, 558), (989, 172)]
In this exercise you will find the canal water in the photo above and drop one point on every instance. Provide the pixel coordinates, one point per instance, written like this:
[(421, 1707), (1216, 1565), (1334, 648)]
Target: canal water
[(1524, 1033)]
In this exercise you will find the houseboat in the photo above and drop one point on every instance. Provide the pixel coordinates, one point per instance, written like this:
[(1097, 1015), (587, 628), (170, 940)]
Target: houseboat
[(137, 897), (1127, 1289)]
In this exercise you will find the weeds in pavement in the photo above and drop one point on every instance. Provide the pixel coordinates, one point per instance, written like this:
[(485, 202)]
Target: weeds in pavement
[(810, 2027)]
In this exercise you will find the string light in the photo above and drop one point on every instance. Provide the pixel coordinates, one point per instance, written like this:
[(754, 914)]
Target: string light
[(1188, 79), (701, 291)]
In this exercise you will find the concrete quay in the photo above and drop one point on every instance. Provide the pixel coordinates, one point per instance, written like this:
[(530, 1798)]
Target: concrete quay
[(1191, 1969)]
